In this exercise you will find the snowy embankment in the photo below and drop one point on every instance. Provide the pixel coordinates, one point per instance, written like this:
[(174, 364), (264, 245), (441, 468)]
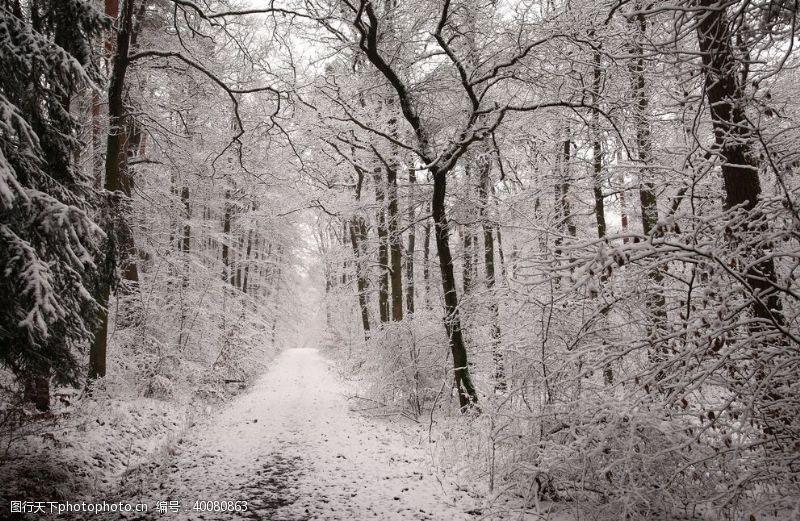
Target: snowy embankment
[(77, 452), (292, 449), (86, 445)]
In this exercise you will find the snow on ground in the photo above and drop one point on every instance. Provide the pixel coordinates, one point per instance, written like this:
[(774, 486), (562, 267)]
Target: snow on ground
[(79, 449), (293, 450)]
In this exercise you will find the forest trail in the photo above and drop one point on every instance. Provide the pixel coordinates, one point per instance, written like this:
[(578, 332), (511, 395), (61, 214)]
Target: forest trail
[(293, 450)]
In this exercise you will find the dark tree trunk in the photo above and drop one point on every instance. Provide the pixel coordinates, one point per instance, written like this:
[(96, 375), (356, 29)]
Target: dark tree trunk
[(644, 143), (566, 206), (597, 168), (426, 258), (468, 266), (731, 132), (97, 140), (412, 238), (37, 392), (187, 227), (597, 150), (722, 74), (383, 250), (185, 244), (226, 232), (117, 175), (452, 321), (358, 240), (395, 247), (247, 253), (623, 211), (115, 159), (500, 253), (99, 348), (357, 235)]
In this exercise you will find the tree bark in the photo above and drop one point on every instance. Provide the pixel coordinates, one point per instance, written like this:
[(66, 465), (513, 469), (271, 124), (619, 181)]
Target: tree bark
[(117, 178), (484, 189), (37, 391), (565, 222), (97, 140), (597, 149), (654, 299), (452, 321), (115, 159), (467, 268), (187, 227), (246, 270), (500, 254), (358, 241), (226, 232), (395, 246), (383, 250), (733, 136), (623, 210), (356, 227), (440, 167), (412, 238), (426, 259), (597, 168), (644, 144)]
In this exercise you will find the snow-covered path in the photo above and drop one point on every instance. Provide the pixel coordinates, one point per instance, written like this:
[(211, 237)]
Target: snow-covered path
[(293, 450)]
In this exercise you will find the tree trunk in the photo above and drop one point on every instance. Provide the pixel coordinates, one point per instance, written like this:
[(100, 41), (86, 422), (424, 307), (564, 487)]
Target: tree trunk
[(565, 222), (733, 141), (37, 392), (358, 240), (484, 189), (597, 149), (117, 175), (623, 210), (99, 348), (187, 227), (115, 159), (412, 238), (467, 267), (426, 258), (383, 250), (238, 255), (247, 253), (97, 140), (395, 247), (597, 167), (357, 234), (644, 145), (452, 321), (226, 232), (654, 300), (500, 253)]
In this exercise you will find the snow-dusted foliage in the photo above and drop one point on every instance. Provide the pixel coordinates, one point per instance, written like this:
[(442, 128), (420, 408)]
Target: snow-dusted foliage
[(202, 261), (623, 241), (48, 240), (205, 306), (561, 237)]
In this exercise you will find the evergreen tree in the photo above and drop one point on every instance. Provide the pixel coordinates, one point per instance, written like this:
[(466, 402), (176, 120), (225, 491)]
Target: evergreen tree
[(49, 243)]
